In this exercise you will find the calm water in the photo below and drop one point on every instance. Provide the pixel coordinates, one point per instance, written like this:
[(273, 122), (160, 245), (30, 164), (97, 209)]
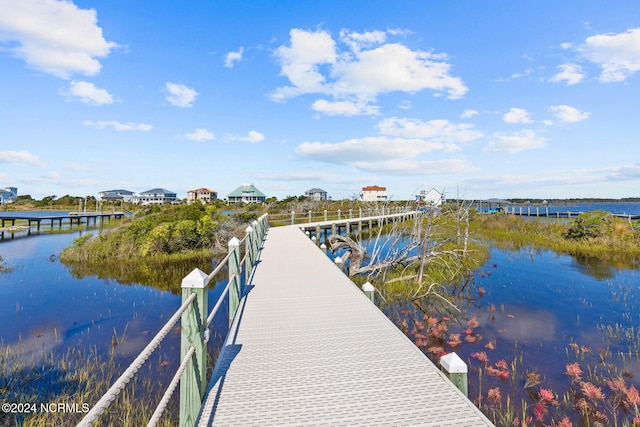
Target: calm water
[(43, 308)]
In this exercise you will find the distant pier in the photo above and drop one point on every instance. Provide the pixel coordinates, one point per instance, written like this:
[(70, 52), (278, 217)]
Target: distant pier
[(12, 224)]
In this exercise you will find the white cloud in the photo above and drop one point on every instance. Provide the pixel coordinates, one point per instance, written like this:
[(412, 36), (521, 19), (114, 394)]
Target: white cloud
[(368, 149), (618, 55), (417, 167), (441, 130), (528, 71), (88, 93), (517, 115), (394, 67), (400, 149), (405, 105), (75, 167), (358, 41), (20, 157), (365, 69), (399, 32), (180, 95), (467, 114), (568, 114), (570, 73), (303, 176), (200, 135), (232, 57), (53, 36), (300, 62), (118, 126), (515, 142), (253, 137), (345, 108), (43, 179), (623, 173)]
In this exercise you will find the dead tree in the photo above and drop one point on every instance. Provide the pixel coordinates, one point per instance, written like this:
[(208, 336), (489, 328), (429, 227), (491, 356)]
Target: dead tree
[(411, 250)]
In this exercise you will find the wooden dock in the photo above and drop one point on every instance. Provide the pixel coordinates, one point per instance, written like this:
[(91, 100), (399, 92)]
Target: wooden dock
[(29, 221), (307, 348)]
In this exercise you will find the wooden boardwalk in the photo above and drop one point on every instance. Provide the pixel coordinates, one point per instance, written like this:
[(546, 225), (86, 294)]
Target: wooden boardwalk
[(307, 348)]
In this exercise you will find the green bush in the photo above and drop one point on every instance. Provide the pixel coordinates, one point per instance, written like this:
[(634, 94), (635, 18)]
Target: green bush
[(591, 224)]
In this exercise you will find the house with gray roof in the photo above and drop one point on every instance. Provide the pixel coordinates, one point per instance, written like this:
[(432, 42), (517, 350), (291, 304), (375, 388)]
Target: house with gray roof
[(247, 193), (316, 194), (158, 196), (116, 195)]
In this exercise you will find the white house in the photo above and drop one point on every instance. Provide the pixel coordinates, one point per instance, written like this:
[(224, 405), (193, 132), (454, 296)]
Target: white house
[(113, 195), (203, 194), (373, 193), (157, 196), (432, 197), (8, 195), (316, 194)]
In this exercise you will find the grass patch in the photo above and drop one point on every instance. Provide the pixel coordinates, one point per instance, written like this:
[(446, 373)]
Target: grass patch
[(78, 378), (605, 238)]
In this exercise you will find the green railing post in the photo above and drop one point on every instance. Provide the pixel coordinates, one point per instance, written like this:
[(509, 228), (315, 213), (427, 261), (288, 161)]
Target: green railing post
[(360, 212), (369, 291), (257, 237), (234, 277), (350, 213), (293, 217), (339, 214), (309, 215), (325, 214), (456, 370), (193, 383), (248, 250)]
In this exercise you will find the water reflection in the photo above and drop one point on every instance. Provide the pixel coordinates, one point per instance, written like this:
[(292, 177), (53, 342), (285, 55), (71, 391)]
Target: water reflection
[(538, 311), (602, 269)]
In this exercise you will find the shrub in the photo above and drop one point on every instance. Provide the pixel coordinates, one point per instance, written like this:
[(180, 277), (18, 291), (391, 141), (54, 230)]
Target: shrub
[(591, 224)]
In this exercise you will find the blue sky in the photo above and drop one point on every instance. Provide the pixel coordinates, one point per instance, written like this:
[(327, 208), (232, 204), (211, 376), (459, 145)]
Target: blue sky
[(482, 99)]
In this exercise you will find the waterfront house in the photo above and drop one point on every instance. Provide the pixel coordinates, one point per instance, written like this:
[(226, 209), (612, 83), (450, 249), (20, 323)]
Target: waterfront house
[(158, 196), (247, 193), (374, 193), (204, 195), (8, 195), (431, 197), (116, 195), (316, 194)]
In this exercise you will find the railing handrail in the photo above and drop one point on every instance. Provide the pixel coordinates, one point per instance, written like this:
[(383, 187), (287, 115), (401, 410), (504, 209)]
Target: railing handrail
[(294, 217), (259, 231), (124, 379)]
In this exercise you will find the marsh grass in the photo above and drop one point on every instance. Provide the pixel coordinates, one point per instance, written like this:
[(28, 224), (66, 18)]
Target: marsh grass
[(618, 239), (81, 377), (76, 377)]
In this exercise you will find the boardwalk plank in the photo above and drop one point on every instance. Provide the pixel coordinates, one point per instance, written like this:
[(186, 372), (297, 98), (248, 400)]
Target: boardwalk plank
[(307, 348)]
